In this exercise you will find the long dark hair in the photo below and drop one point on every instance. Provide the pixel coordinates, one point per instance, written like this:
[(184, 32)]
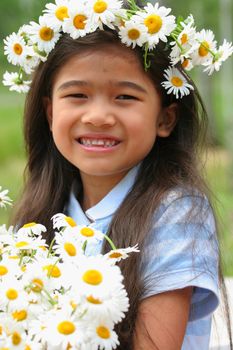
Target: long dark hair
[(172, 162)]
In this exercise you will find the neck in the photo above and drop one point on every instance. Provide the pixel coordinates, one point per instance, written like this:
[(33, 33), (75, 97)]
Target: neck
[(95, 188)]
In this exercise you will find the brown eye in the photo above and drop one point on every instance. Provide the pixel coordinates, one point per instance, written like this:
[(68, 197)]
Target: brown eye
[(77, 96), (126, 97)]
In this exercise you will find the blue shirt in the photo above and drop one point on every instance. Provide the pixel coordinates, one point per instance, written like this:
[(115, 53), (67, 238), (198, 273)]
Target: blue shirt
[(177, 254)]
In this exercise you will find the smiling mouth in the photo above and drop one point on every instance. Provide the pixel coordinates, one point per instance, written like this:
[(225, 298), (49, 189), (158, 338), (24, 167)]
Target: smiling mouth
[(97, 142)]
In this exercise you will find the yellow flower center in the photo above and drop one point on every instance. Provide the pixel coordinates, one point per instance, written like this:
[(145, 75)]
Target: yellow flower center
[(66, 327), (52, 271), (12, 294), (14, 257), (92, 300), (61, 13), (153, 23), (100, 6), (70, 221), (23, 268), (17, 48), (176, 81), (184, 39), (3, 270), (37, 285), (30, 224), (185, 63), (73, 305), (70, 249), (16, 338), (43, 248), (93, 277), (21, 244), (103, 332), (87, 232), (204, 49), (20, 315), (115, 255), (79, 21), (1, 330), (133, 34), (27, 347), (46, 33)]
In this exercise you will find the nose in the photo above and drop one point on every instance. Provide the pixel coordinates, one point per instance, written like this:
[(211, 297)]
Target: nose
[(99, 114)]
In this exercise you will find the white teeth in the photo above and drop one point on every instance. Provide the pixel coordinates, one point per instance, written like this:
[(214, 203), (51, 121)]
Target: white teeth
[(97, 142)]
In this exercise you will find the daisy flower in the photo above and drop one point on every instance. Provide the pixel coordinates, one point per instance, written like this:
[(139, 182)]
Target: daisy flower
[(56, 13), (111, 307), (184, 45), (35, 280), (187, 64), (206, 47), (221, 55), (31, 62), (43, 35), (32, 229), (16, 83), (119, 254), (78, 23), (13, 331), (157, 22), (11, 292), (58, 273), (62, 329), (104, 12), (4, 199), (176, 83), (133, 34), (16, 49), (87, 233), (67, 246), (24, 242), (102, 335), (97, 277), (9, 268), (60, 221)]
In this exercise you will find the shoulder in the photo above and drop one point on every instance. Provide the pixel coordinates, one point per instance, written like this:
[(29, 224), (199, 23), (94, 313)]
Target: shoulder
[(187, 206), (182, 249)]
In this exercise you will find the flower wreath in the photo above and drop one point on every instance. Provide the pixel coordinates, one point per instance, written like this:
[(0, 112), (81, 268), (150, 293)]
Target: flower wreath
[(144, 27)]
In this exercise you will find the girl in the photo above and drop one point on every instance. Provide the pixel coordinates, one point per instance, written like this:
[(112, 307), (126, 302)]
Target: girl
[(111, 148)]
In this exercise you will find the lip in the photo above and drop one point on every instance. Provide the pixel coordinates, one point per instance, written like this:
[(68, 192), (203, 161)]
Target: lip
[(98, 136)]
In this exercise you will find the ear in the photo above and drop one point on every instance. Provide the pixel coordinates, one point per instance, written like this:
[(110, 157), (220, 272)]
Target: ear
[(167, 120), (49, 110)]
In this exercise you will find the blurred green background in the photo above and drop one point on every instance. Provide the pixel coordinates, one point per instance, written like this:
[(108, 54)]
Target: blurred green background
[(217, 93)]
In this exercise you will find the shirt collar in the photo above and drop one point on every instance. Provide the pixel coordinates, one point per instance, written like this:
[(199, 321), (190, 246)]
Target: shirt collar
[(107, 206)]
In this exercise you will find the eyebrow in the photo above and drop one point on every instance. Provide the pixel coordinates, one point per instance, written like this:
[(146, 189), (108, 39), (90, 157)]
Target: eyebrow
[(82, 83), (72, 83), (131, 85)]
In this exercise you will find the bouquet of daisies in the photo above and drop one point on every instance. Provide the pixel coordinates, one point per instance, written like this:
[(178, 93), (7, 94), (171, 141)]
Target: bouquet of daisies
[(57, 297)]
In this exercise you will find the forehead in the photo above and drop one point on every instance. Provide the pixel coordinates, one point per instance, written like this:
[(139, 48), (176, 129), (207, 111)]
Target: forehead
[(103, 62)]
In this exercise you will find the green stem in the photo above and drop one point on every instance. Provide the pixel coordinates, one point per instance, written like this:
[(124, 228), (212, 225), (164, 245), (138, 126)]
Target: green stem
[(84, 246), (178, 44), (50, 272), (50, 247), (51, 301), (145, 56), (208, 49), (110, 242)]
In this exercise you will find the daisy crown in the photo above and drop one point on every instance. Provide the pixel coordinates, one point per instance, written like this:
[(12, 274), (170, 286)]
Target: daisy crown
[(136, 26)]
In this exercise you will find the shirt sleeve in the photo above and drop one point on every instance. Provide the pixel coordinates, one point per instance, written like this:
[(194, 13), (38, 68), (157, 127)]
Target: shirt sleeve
[(181, 251)]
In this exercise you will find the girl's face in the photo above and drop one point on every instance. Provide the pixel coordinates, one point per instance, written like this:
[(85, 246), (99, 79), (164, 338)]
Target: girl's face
[(104, 113)]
